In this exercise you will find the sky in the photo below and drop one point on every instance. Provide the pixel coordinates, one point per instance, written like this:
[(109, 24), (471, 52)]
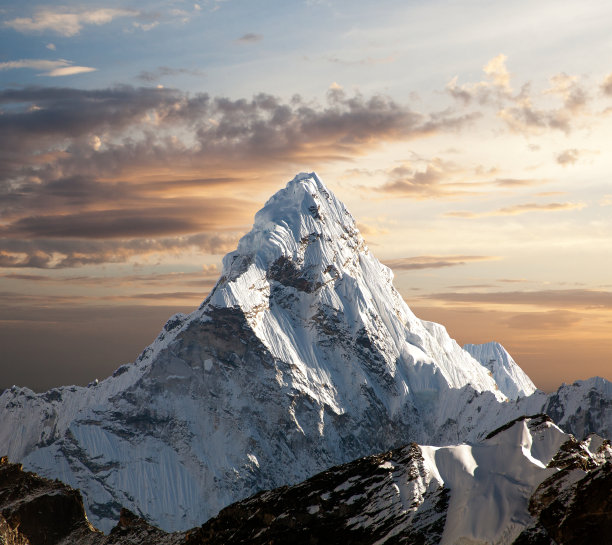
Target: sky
[(469, 139)]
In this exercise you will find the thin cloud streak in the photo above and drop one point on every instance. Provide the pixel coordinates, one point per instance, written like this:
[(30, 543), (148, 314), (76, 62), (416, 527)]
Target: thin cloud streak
[(52, 69), (573, 298), (435, 261), (516, 210)]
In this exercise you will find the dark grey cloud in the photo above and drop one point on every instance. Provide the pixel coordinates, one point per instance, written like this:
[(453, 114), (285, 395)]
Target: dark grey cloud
[(80, 176), (104, 224), (63, 253), (39, 112)]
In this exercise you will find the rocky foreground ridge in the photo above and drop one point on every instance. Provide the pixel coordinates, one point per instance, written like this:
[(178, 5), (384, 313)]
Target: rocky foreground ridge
[(556, 490), (303, 357)]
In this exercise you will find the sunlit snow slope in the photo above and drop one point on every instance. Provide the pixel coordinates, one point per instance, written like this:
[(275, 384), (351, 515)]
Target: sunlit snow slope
[(303, 356)]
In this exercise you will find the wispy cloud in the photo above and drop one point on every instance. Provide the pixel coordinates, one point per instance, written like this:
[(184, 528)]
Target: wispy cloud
[(518, 209), (552, 320), (67, 22), (437, 178), (435, 261), (165, 71), (60, 67), (572, 298), (250, 38)]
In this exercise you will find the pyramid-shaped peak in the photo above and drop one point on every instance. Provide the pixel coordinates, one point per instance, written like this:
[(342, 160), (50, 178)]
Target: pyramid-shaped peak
[(305, 198), (303, 222)]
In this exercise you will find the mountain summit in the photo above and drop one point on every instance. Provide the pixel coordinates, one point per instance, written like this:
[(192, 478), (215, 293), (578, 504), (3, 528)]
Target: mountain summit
[(303, 356)]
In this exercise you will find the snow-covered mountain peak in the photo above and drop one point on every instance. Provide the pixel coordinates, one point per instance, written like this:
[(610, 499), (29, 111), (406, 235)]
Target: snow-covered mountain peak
[(303, 226), (303, 356), (510, 378)]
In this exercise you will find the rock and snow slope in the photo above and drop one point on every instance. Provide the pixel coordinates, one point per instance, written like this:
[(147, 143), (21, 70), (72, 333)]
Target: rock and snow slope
[(303, 356), (526, 483), (526, 480)]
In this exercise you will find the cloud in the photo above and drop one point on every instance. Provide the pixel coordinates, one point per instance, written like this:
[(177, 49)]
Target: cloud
[(73, 252), (436, 178), (496, 86), (435, 261), (573, 298), (606, 85), (517, 182), (162, 280), (70, 71), (368, 61), (522, 111), (60, 67), (606, 200), (67, 23), (145, 27), (51, 46), (407, 180), (568, 157), (552, 320), (250, 38), (105, 175), (164, 71), (517, 209)]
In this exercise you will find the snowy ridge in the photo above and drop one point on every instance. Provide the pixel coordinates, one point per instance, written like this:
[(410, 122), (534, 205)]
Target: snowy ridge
[(491, 482), (510, 378), (302, 357), (490, 492)]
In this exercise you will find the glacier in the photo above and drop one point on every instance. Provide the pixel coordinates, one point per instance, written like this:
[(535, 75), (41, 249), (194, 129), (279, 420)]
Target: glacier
[(302, 357)]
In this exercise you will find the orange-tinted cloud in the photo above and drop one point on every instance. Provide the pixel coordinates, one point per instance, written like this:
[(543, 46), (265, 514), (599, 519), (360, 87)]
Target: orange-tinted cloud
[(434, 261), (94, 176), (517, 209), (564, 299)]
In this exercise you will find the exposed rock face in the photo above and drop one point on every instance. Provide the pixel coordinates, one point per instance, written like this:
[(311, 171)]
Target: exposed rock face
[(386, 498), (36, 511)]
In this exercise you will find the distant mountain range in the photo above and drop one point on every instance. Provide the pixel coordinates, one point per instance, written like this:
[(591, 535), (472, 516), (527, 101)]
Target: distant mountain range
[(303, 357)]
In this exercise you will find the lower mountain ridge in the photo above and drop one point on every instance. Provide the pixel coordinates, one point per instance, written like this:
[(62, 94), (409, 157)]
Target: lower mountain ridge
[(303, 357), (555, 490)]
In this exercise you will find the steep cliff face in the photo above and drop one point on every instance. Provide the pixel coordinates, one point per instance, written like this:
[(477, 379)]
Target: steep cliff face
[(302, 357)]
